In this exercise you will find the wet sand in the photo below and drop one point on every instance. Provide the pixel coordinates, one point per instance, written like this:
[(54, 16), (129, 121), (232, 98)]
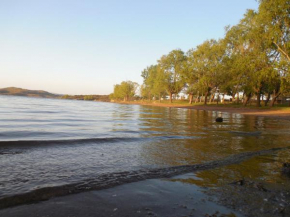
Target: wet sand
[(155, 197)]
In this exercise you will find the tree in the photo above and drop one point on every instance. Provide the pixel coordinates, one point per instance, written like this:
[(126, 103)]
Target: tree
[(250, 61), (274, 18), (124, 91), (159, 86), (149, 79), (190, 76), (207, 63), (171, 67)]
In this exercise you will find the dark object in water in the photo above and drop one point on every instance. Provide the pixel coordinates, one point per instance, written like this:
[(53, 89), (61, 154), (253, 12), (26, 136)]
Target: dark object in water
[(239, 182), (286, 169), (260, 187), (219, 119)]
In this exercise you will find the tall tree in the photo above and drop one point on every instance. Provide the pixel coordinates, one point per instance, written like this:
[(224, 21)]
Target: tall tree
[(275, 19), (149, 79), (190, 76), (171, 66), (250, 63), (207, 62)]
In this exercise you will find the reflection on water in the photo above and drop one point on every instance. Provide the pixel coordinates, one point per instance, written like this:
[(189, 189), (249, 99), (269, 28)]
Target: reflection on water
[(160, 137), (256, 187), (266, 169), (209, 140)]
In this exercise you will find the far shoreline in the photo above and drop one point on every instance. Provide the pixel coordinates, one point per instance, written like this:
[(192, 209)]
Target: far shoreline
[(275, 112)]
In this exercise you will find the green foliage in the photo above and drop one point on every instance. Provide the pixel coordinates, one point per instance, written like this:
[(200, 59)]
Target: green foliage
[(252, 58), (171, 67), (103, 98), (89, 97), (275, 20), (124, 91), (153, 83)]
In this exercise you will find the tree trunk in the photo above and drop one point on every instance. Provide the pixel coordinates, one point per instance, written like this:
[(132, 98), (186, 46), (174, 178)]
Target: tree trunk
[(274, 98), (211, 98), (196, 99), (258, 99), (159, 97), (223, 99), (248, 97), (233, 97), (237, 92), (190, 98), (205, 98), (126, 98), (218, 98), (267, 99), (170, 95)]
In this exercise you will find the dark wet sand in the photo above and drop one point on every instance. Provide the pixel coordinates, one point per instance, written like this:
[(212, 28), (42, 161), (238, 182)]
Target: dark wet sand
[(155, 197)]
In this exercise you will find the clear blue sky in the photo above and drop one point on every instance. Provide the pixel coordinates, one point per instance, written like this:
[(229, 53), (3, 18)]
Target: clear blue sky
[(87, 46)]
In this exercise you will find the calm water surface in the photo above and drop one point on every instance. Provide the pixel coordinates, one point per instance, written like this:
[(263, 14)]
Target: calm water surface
[(49, 142)]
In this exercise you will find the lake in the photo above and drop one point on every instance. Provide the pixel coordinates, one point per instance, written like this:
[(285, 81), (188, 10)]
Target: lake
[(50, 142)]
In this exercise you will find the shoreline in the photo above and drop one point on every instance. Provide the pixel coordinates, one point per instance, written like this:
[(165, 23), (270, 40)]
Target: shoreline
[(148, 198), (180, 195), (115, 180), (263, 112)]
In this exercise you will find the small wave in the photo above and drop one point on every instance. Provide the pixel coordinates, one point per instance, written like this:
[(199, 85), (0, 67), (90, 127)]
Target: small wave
[(241, 133), (114, 179), (67, 141), (10, 152), (90, 140)]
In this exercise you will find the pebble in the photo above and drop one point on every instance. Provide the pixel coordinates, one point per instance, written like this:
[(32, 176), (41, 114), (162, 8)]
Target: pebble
[(183, 206)]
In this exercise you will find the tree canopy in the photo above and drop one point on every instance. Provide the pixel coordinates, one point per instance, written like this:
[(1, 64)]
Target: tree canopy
[(253, 59)]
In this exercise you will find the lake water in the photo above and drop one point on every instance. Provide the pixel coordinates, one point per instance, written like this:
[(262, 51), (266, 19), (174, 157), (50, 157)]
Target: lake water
[(49, 142)]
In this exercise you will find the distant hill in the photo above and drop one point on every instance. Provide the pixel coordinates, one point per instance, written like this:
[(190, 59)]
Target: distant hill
[(14, 91)]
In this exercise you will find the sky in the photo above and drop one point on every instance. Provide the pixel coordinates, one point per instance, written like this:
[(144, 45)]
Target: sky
[(87, 46)]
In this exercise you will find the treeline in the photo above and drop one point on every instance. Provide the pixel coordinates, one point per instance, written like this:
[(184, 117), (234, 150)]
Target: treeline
[(103, 98), (253, 59)]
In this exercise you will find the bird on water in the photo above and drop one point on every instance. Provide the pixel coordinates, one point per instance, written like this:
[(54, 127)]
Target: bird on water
[(219, 118)]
